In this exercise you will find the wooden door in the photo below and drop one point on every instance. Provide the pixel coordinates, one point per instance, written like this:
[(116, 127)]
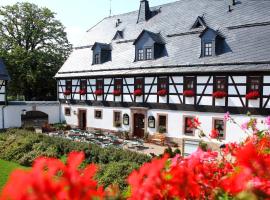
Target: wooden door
[(82, 119), (139, 125)]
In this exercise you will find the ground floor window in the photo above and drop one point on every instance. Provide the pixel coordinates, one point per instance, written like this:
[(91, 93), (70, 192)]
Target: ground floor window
[(117, 119), (188, 128), (219, 126), (98, 114), (162, 123), (67, 111)]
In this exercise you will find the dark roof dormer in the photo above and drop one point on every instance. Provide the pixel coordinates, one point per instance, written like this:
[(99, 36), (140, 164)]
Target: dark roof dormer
[(212, 43), (149, 46), (144, 11), (101, 53), (199, 23), (118, 35)]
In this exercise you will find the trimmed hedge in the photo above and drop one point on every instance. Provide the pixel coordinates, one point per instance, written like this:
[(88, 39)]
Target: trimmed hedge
[(23, 147)]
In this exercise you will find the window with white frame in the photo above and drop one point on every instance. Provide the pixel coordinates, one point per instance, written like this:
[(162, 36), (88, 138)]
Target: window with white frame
[(148, 53), (208, 49), (140, 54)]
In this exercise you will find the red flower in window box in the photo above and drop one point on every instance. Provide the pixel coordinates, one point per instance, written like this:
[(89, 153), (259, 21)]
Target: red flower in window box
[(137, 92), (189, 93), (253, 95), (162, 92), (117, 92), (99, 92), (67, 92), (219, 94), (82, 92)]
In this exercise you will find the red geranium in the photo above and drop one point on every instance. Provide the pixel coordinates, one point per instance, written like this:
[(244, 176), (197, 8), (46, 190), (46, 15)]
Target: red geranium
[(189, 93), (193, 123), (219, 94), (51, 179), (82, 92), (253, 95), (67, 92), (162, 92), (137, 92), (99, 92), (214, 134), (117, 92)]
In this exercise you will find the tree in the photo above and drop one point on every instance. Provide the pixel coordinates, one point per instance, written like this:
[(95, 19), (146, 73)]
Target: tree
[(33, 45)]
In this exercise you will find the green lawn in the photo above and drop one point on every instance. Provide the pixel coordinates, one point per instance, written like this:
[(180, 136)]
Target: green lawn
[(5, 169)]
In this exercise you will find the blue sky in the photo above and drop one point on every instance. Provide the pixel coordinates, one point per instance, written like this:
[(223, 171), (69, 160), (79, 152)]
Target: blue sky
[(79, 15)]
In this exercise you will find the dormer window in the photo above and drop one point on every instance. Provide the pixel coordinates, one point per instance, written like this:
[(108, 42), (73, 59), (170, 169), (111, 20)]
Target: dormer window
[(101, 53), (212, 43), (208, 49), (149, 46)]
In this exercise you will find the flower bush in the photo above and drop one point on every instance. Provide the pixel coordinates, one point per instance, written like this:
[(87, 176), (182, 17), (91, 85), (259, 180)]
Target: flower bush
[(253, 95), (219, 94), (162, 92), (99, 92), (82, 92), (238, 171), (189, 93), (117, 92), (67, 92), (137, 92)]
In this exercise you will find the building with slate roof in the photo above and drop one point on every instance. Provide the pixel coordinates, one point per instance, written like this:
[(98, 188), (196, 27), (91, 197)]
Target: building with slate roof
[(154, 69)]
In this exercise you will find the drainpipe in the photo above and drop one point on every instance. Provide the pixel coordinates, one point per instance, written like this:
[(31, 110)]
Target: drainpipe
[(3, 116)]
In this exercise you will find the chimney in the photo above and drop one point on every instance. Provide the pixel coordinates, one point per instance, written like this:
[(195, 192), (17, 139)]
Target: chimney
[(233, 2), (144, 11)]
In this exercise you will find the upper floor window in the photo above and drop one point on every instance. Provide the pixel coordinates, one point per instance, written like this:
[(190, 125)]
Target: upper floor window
[(208, 49), (69, 85), (162, 83), (148, 53), (83, 85), (138, 83), (253, 84), (220, 84), (140, 54), (97, 59), (189, 83), (118, 84), (99, 84)]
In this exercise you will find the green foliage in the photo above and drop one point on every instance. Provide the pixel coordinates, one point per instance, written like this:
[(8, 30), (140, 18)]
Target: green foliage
[(116, 173), (162, 129), (171, 153), (33, 45), (23, 147)]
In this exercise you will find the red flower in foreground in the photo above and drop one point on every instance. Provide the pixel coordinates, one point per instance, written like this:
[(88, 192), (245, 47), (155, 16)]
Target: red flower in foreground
[(162, 92), (67, 92), (99, 92), (253, 95), (116, 92), (51, 179), (193, 123), (214, 134), (219, 94), (189, 93), (137, 92)]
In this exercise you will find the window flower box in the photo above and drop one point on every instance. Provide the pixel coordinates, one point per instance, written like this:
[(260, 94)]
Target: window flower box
[(137, 92), (99, 92), (67, 92), (162, 93), (82, 92), (219, 94), (116, 92), (189, 93), (253, 95)]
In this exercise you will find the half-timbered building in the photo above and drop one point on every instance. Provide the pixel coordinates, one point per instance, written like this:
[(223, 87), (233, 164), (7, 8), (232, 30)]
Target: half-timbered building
[(153, 69)]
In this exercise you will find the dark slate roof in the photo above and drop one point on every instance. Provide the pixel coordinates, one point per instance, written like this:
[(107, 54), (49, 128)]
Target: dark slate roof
[(246, 30), (155, 36), (3, 71)]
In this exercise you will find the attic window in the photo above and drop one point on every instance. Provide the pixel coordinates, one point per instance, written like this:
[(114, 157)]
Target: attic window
[(96, 61), (118, 35), (148, 53), (208, 49), (101, 53)]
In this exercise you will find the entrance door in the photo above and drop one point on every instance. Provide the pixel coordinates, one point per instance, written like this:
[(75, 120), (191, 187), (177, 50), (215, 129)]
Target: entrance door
[(138, 125), (82, 119)]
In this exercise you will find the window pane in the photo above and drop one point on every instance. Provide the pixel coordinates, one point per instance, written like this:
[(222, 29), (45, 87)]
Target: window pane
[(189, 83), (83, 85), (220, 127), (208, 49), (162, 83), (148, 53), (69, 85), (99, 84), (254, 84), (140, 54)]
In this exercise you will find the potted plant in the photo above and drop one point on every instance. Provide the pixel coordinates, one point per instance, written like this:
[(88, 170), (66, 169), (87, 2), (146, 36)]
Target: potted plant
[(189, 93), (162, 92), (67, 92), (253, 95), (219, 94), (162, 129), (137, 92), (116, 92), (99, 92)]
